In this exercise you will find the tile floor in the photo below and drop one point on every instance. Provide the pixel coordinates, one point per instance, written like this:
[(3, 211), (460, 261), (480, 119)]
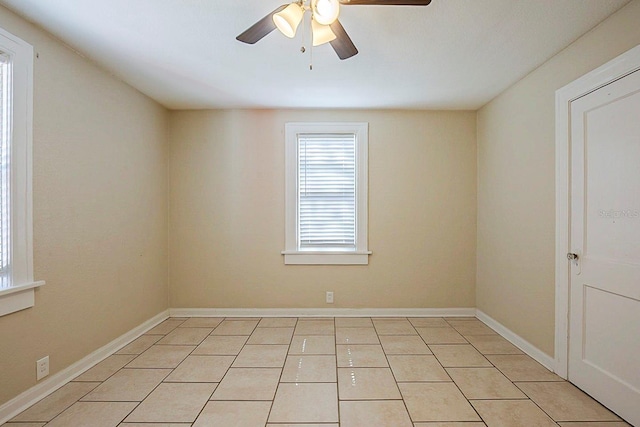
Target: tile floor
[(348, 372)]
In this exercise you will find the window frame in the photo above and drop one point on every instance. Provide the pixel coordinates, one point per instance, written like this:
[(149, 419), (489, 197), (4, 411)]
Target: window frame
[(292, 253), (20, 294)]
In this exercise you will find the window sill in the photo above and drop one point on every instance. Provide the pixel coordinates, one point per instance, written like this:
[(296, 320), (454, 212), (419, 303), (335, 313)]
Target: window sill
[(326, 258), (18, 298)]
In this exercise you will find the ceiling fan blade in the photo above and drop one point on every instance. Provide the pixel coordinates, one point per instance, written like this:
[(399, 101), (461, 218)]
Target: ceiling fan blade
[(387, 2), (260, 29), (342, 44)]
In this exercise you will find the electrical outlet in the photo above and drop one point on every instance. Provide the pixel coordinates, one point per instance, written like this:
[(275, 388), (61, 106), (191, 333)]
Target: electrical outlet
[(42, 368), (329, 297)]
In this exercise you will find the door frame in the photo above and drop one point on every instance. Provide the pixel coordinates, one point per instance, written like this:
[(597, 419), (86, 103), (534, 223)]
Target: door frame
[(615, 69)]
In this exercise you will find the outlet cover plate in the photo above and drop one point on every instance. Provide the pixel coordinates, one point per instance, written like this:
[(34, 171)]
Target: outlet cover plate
[(42, 368), (329, 298)]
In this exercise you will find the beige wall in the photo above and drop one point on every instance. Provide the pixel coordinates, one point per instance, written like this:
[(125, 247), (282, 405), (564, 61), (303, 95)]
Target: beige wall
[(100, 207), (516, 183), (227, 212), (100, 215)]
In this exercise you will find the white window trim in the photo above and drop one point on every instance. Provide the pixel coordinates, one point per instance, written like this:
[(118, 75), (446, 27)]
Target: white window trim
[(21, 294), (291, 253)]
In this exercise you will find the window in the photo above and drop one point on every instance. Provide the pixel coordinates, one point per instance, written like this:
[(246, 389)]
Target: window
[(16, 259), (326, 193)]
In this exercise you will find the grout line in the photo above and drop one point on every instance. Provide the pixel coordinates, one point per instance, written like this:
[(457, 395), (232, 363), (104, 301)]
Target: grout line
[(286, 356), (386, 356), (335, 351)]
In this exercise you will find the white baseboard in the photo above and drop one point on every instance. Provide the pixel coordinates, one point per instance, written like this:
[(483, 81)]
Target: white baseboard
[(322, 312), (541, 357), (21, 402)]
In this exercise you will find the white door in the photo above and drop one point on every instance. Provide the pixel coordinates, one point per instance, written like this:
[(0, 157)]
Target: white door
[(604, 310)]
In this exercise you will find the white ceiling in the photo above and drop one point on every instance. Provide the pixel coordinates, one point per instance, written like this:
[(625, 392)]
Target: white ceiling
[(453, 54)]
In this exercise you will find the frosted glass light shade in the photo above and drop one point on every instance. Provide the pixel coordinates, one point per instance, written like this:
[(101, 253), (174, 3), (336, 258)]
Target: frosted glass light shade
[(321, 33), (287, 21), (325, 11)]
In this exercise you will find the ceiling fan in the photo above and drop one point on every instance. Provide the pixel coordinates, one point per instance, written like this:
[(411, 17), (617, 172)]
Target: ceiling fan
[(325, 27)]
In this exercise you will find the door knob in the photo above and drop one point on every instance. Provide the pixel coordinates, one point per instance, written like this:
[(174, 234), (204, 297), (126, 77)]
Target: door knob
[(572, 257)]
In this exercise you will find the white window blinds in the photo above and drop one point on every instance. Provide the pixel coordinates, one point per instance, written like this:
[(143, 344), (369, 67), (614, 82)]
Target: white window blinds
[(5, 171), (327, 191)]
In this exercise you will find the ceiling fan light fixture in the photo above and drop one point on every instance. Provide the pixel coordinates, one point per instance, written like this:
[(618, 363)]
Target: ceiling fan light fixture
[(287, 21), (325, 12), (321, 33)]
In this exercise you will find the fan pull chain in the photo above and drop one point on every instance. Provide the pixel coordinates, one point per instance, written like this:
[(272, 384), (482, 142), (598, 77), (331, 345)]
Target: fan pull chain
[(304, 37), (311, 45)]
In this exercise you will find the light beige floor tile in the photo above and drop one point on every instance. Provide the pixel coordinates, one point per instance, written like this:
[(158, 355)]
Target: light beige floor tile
[(380, 413), (302, 425), (93, 414), (436, 402), (235, 327), (429, 322), (367, 384), (257, 319), (248, 384), (155, 425), (305, 403), (202, 322), (56, 402), (484, 383), (595, 424), (315, 327), (420, 368), (306, 344), (520, 367), (394, 327), (460, 321), (27, 425), (220, 345), (185, 336), (311, 318), (361, 356), (471, 424), (237, 414), (140, 344), (128, 385), (476, 327), (173, 403), (441, 336), (512, 413), (354, 322), (459, 356), (271, 336), (564, 402), (356, 336), (278, 322), (201, 369), (165, 327), (106, 368), (492, 344), (309, 369), (411, 344), (162, 356), (389, 318), (261, 356)]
